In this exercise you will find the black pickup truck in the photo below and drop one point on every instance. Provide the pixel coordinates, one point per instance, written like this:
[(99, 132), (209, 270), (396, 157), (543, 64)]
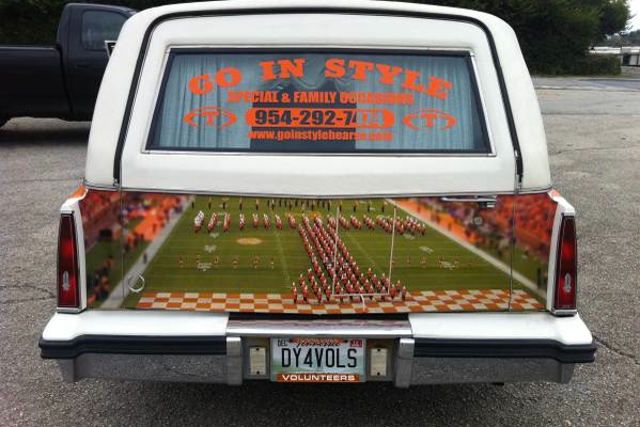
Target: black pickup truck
[(62, 80)]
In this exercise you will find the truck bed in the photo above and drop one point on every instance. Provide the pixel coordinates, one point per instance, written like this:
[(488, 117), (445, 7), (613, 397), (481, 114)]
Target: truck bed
[(32, 82)]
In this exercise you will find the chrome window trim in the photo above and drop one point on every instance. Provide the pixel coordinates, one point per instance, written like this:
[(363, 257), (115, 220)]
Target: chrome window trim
[(474, 76), (115, 187), (306, 196)]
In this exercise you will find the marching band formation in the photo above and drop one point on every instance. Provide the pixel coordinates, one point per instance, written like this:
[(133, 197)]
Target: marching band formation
[(402, 226), (326, 250), (346, 278)]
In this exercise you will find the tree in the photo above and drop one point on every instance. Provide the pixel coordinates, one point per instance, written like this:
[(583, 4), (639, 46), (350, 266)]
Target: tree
[(631, 38), (554, 34), (614, 17)]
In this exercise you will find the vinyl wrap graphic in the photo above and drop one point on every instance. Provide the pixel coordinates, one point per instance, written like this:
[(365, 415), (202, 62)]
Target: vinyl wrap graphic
[(315, 102), (308, 256)]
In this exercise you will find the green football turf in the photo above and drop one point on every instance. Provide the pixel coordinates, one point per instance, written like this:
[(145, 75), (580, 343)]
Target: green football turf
[(101, 251), (371, 249)]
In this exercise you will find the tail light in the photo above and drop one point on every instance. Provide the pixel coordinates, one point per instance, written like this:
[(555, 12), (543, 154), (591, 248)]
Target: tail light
[(566, 267), (68, 284)]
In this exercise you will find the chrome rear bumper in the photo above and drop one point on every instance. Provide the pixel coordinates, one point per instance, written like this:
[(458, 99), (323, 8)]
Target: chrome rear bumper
[(413, 357)]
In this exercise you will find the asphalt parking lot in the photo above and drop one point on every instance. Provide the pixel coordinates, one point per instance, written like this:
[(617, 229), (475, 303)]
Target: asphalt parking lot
[(593, 130)]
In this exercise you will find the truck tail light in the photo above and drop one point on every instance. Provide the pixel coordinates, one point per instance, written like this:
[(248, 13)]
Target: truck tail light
[(566, 267), (68, 284)]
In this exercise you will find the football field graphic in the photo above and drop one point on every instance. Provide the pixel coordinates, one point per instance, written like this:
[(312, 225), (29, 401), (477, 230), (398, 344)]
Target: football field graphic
[(321, 257)]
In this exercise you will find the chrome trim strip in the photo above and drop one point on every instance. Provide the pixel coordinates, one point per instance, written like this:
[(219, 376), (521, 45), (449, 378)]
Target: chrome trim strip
[(565, 312), (404, 362), (320, 328), (101, 187), (210, 369), (68, 370), (92, 186), (272, 47), (69, 310), (313, 196), (234, 361), (460, 370), (534, 190), (198, 368), (313, 154), (317, 46)]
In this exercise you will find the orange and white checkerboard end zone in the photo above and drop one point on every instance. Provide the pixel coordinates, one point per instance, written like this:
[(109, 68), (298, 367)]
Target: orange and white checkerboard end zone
[(416, 302)]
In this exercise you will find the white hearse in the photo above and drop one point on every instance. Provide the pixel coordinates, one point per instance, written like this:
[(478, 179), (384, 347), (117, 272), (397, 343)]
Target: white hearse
[(292, 191)]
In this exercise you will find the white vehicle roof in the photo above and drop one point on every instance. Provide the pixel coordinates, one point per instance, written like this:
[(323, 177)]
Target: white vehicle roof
[(126, 100)]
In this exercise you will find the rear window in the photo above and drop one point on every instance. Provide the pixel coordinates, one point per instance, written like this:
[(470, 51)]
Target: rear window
[(99, 26), (319, 102)]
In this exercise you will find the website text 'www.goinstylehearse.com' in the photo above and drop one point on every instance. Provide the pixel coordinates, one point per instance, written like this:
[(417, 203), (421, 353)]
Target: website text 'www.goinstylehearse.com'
[(319, 135)]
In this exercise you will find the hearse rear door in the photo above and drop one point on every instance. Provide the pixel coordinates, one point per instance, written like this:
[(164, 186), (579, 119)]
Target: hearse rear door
[(326, 106)]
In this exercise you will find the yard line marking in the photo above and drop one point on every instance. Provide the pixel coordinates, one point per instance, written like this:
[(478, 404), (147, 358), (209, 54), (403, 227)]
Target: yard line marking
[(283, 258), (482, 254), (120, 292), (366, 254)]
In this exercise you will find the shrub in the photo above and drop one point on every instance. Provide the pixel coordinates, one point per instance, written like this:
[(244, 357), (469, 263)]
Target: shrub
[(597, 65)]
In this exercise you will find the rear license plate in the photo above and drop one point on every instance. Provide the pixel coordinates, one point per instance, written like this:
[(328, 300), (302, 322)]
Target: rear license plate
[(316, 360)]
